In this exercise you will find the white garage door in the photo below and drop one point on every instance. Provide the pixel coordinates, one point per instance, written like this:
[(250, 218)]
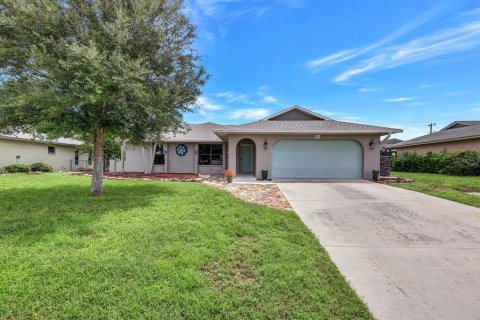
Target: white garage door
[(320, 159)]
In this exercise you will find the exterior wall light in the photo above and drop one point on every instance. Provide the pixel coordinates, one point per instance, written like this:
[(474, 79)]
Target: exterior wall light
[(265, 145), (372, 144)]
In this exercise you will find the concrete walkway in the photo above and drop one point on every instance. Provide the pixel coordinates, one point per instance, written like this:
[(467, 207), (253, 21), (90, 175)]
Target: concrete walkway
[(407, 255)]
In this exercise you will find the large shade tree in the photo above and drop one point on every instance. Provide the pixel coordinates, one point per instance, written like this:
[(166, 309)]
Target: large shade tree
[(88, 68)]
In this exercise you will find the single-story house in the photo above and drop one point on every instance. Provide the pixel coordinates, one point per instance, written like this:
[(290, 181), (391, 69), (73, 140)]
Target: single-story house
[(61, 154), (457, 136), (294, 143)]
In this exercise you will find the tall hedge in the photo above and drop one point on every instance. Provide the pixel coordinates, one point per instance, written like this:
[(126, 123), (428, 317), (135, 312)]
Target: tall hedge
[(462, 163)]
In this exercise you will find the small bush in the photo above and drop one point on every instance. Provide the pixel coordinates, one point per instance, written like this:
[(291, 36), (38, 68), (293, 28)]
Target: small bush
[(41, 167), (2, 170), (462, 163), (17, 168)]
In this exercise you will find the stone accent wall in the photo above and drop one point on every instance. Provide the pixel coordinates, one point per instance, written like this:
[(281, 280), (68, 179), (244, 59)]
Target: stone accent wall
[(384, 166)]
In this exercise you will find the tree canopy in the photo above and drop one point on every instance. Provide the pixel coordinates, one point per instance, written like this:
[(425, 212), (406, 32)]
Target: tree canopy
[(82, 68)]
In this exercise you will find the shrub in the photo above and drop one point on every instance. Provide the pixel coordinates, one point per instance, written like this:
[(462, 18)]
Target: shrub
[(41, 167), (464, 163), (17, 168), (2, 170)]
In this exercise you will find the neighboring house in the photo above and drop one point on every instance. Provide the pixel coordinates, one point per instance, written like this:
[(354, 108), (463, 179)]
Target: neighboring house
[(386, 146), (61, 154), (294, 143), (457, 136)]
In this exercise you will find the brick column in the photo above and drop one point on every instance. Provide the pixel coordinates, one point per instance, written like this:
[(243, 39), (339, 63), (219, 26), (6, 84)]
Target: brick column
[(385, 166)]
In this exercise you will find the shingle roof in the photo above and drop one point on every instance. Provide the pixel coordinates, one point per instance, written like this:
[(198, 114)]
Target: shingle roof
[(389, 142), (462, 123), (468, 132), (304, 127), (40, 139), (202, 132)]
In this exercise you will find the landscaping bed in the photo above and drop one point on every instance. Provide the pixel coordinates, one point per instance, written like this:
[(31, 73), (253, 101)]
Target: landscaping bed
[(150, 176), (163, 250)]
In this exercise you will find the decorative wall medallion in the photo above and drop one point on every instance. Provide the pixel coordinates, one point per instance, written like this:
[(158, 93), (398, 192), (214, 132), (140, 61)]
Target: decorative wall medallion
[(181, 150)]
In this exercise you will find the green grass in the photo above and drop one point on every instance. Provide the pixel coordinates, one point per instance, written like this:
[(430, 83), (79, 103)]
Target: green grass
[(443, 186), (164, 250)]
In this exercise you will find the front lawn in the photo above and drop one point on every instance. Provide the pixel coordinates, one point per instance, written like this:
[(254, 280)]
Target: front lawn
[(449, 187), (163, 250)]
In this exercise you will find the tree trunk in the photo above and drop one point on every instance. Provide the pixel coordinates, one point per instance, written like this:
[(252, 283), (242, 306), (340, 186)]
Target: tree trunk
[(97, 175)]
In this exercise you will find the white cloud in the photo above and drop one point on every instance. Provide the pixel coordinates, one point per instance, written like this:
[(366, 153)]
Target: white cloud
[(453, 94), (428, 85), (254, 99), (231, 96), (270, 99), (460, 38), (216, 14), (473, 12), (349, 119), (345, 55), (263, 93), (253, 114), (367, 89), (205, 104), (401, 99)]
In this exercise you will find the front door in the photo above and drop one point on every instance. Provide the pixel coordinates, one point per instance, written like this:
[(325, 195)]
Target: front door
[(246, 158)]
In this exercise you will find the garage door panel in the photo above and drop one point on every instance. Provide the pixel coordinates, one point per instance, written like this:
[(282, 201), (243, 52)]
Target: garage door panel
[(329, 159)]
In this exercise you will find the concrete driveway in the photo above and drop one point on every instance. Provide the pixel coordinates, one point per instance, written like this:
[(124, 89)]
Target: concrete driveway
[(407, 254)]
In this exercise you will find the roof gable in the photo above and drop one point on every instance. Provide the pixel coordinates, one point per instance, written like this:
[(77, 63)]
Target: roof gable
[(460, 124), (202, 132), (296, 113)]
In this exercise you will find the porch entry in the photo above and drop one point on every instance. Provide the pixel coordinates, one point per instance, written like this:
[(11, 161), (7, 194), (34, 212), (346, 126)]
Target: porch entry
[(246, 156)]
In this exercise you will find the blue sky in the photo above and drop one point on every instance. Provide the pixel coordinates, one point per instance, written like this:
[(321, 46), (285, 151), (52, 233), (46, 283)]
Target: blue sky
[(402, 64)]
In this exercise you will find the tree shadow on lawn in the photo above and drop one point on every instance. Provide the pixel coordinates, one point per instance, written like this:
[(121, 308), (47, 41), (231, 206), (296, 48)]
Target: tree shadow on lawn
[(29, 214)]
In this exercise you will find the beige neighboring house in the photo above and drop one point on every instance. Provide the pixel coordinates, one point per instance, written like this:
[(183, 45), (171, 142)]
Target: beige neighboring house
[(457, 136), (295, 143), (61, 154)]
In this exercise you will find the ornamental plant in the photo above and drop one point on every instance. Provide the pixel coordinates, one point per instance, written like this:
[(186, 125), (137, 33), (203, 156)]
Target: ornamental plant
[(228, 173)]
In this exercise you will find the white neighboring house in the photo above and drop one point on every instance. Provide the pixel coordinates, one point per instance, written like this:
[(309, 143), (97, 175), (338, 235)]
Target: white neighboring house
[(61, 154)]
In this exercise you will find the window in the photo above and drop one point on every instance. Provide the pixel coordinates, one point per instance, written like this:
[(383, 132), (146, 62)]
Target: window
[(76, 157), (51, 150), (210, 154), (159, 158)]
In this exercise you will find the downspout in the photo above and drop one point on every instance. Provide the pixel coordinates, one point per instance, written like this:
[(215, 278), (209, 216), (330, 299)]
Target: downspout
[(153, 156), (122, 155), (145, 171), (388, 137)]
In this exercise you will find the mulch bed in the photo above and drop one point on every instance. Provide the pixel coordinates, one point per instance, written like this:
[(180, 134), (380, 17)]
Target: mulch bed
[(151, 176)]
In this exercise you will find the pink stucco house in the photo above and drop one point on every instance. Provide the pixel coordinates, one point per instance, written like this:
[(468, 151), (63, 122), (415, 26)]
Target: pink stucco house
[(295, 143)]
